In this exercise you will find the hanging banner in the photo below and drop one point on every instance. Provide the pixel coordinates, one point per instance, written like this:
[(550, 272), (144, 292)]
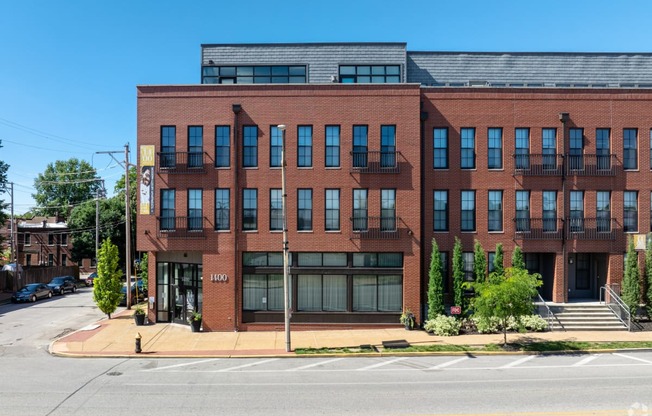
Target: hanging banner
[(146, 188)]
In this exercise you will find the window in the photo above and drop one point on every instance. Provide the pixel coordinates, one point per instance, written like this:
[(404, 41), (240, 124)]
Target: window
[(168, 146), (276, 74), (275, 146), (376, 74), (467, 259), (440, 208), (576, 211), (467, 154), (360, 210), (443, 255), (249, 209), (388, 209), (468, 211), (64, 259), (28, 259), (549, 211), (168, 209), (28, 239), (262, 292), (50, 239), (522, 145), (603, 148), (490, 261), (304, 214), (222, 209), (377, 259), (630, 211), (360, 146), (222, 146), (195, 146), (275, 210), (440, 148), (63, 239), (332, 146), (332, 210), (304, 159), (377, 293), (254, 259), (50, 259), (322, 293), (576, 151), (603, 211), (495, 153), (630, 149), (250, 147), (195, 215), (549, 148), (522, 210), (388, 146), (495, 207)]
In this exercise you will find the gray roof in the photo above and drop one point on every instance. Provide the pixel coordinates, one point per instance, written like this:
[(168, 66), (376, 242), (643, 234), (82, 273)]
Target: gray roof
[(533, 69)]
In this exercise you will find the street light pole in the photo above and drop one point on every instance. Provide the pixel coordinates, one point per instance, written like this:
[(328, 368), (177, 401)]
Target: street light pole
[(286, 262)]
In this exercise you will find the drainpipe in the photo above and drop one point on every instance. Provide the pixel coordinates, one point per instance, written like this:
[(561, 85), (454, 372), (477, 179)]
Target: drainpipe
[(423, 116), (563, 117), (236, 231)]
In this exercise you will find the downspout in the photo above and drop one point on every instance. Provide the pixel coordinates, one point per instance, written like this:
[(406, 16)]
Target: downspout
[(423, 116), (236, 198), (563, 117)]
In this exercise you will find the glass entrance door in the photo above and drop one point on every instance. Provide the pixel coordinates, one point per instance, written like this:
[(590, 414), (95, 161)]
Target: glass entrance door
[(186, 292)]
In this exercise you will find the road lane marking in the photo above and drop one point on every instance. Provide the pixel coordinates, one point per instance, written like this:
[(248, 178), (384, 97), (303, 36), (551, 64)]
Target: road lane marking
[(248, 365), (448, 363), (585, 360), (314, 364), (518, 362), (633, 358), (370, 367), (183, 364)]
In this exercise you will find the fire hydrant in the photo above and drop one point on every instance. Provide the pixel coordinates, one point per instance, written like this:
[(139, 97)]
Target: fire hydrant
[(138, 338)]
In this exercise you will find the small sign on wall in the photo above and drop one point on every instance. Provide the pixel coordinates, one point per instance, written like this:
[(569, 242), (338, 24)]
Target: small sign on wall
[(219, 278), (456, 310), (640, 241)]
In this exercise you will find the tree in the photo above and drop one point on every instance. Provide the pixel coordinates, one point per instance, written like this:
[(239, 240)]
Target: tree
[(479, 262), (435, 283), (458, 274), (648, 275), (64, 184), (107, 285), (144, 270), (498, 260), (631, 290), (517, 258), (508, 297)]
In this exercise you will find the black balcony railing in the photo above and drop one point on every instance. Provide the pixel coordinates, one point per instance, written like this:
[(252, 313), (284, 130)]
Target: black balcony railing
[(375, 162), (538, 165), (591, 165), (181, 227), (591, 228), (375, 228), (538, 228), (181, 162)]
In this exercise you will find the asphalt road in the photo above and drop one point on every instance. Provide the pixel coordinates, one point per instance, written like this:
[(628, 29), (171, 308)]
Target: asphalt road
[(35, 383)]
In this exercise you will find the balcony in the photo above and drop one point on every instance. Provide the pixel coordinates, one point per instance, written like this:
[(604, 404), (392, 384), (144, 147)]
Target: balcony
[(538, 165), (375, 228), (375, 162), (181, 162), (538, 228), (181, 227), (591, 228), (591, 165)]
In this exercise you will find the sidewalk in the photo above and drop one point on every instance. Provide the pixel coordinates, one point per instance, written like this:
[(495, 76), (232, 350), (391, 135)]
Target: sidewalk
[(116, 338)]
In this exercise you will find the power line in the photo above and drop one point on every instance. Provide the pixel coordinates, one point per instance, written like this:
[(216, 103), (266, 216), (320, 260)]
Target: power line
[(46, 135)]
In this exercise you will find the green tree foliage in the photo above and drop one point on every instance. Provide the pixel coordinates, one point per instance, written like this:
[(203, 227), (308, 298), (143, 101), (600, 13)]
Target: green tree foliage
[(144, 270), (517, 259), (64, 184), (509, 297), (435, 283), (499, 269), (82, 222), (458, 274), (107, 285), (648, 275), (631, 290), (479, 262)]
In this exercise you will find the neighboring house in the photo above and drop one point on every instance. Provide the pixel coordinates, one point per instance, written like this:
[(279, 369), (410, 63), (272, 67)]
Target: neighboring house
[(43, 241), (386, 149)]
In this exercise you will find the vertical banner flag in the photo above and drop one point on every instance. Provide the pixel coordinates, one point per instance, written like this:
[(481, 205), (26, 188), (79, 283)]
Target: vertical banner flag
[(146, 180)]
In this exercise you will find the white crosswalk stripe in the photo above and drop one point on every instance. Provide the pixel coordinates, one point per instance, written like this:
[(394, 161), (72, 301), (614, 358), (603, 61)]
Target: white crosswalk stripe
[(518, 362), (448, 363), (384, 363)]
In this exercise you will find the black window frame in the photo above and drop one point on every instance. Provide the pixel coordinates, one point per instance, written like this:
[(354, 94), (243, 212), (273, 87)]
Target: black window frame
[(222, 210), (250, 146), (439, 152), (222, 146), (467, 153)]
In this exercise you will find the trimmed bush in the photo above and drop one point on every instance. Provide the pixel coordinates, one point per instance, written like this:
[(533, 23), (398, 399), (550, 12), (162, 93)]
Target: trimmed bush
[(485, 325), (534, 323), (491, 325), (443, 325)]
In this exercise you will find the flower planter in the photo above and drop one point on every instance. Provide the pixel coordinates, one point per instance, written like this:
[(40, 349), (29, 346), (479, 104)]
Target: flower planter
[(195, 326), (139, 319)]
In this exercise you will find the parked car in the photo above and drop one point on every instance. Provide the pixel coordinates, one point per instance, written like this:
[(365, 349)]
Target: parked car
[(90, 279), (137, 295), (32, 292), (62, 284)]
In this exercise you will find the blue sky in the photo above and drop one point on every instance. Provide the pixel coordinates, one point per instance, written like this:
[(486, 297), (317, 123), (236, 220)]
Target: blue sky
[(69, 68)]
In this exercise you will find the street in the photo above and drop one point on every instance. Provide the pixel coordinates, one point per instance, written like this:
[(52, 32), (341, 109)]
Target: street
[(35, 383)]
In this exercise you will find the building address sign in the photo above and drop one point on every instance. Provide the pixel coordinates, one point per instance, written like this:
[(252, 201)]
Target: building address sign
[(219, 278)]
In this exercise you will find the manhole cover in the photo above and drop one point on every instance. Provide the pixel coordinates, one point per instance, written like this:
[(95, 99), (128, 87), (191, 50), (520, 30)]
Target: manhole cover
[(114, 373)]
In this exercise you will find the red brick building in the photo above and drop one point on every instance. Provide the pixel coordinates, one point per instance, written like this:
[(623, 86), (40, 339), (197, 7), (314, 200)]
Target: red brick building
[(386, 149)]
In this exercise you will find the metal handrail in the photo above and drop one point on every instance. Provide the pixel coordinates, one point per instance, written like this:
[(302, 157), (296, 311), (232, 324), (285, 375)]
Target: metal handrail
[(550, 314), (622, 308)]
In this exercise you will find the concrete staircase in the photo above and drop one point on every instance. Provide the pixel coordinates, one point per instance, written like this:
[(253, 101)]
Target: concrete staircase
[(585, 317)]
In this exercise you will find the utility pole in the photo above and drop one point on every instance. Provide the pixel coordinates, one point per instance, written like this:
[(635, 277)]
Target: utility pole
[(12, 233), (99, 194), (286, 248)]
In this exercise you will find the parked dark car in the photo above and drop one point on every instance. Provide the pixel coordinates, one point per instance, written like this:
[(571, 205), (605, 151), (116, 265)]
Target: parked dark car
[(32, 292), (90, 279), (137, 293), (63, 284)]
